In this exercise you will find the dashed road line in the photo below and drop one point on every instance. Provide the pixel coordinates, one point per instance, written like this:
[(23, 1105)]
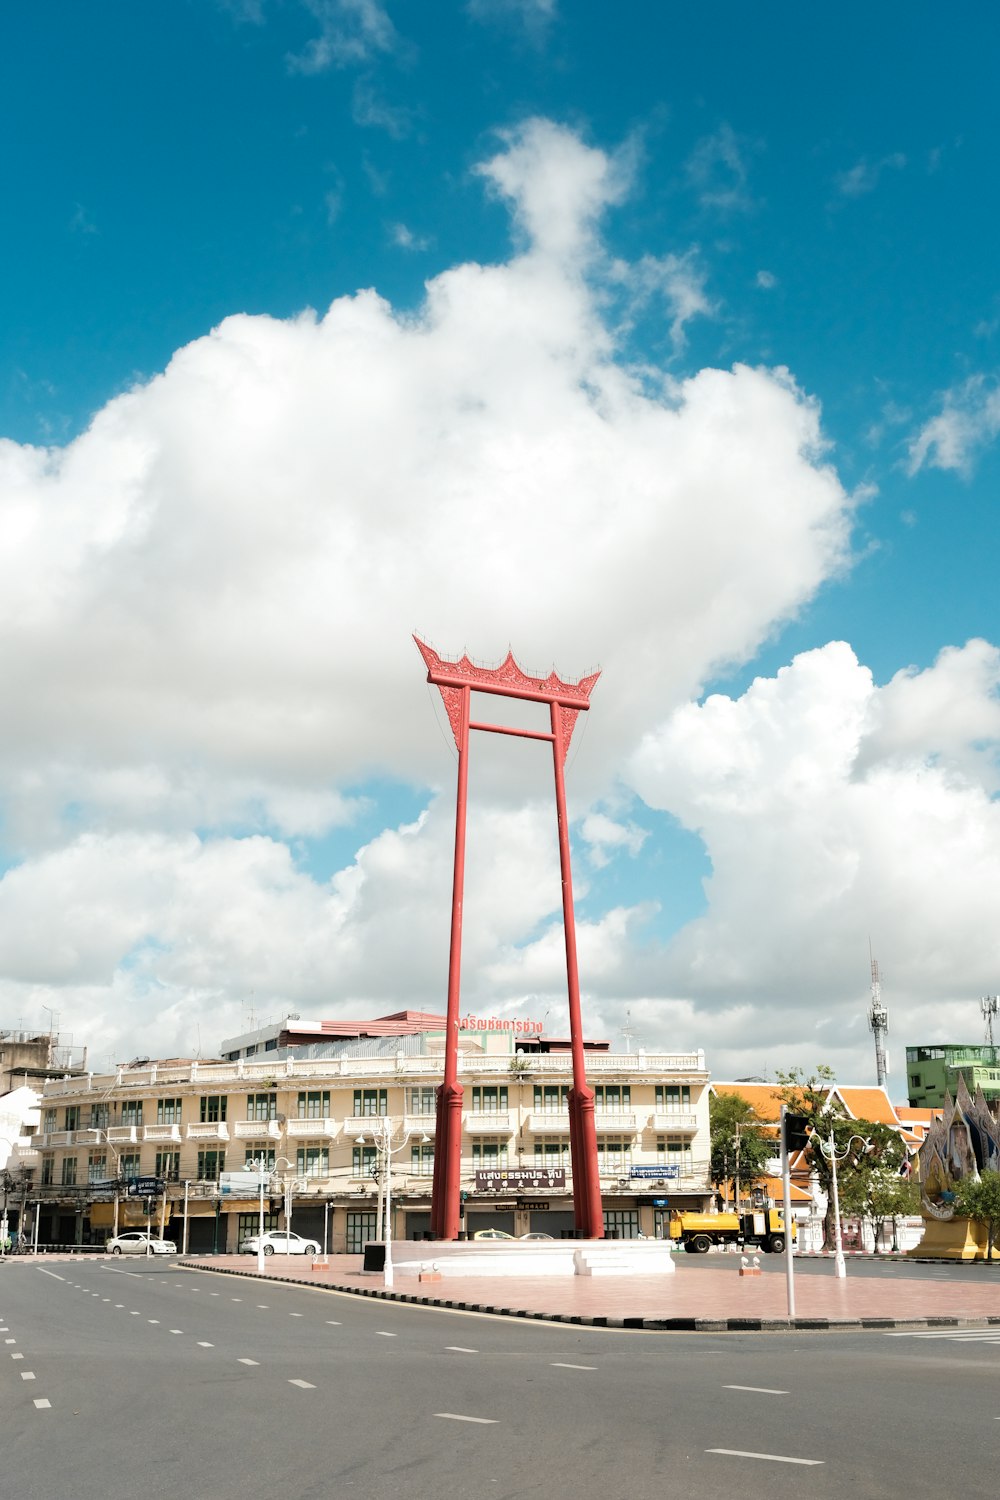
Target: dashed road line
[(152, 1320), (27, 1374), (454, 1416), (559, 1365), (248, 1361), (176, 1330), (332, 1323), (296, 1315), (773, 1458), (17, 1356), (42, 1404), (381, 1333), (457, 1349), (762, 1390), (203, 1345), (303, 1385)]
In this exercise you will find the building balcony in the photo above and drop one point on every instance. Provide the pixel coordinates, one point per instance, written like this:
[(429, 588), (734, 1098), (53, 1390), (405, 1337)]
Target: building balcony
[(368, 1125), (673, 1122), (420, 1125), (125, 1135), (540, 1122), (217, 1130), (161, 1133), (483, 1124), (322, 1128), (256, 1130), (47, 1141), (607, 1119)]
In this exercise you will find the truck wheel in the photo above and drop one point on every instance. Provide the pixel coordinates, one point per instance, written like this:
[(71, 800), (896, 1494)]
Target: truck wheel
[(699, 1243), (777, 1243)]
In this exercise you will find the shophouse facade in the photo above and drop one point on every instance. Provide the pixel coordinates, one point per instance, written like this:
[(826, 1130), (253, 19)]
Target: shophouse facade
[(318, 1104)]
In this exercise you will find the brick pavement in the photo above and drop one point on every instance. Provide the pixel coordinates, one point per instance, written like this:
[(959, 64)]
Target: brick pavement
[(705, 1298)]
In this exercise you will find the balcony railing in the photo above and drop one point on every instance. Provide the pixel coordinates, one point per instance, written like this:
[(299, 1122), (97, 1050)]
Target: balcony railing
[(672, 1120), (608, 1119), (124, 1134), (542, 1122), (161, 1132), (309, 1128), (479, 1123), (217, 1130)]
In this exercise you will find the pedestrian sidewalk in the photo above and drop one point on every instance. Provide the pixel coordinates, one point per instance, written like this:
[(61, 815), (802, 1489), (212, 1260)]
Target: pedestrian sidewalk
[(706, 1298)]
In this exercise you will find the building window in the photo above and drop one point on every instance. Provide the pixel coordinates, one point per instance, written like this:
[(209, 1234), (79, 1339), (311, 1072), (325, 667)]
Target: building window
[(422, 1159), (614, 1155), (423, 1101), (100, 1116), (131, 1111), (128, 1166), (49, 1120), (210, 1164), (490, 1099), (168, 1165), (363, 1158), (551, 1098), (271, 1045), (168, 1111), (360, 1229), (213, 1108), (261, 1106), (371, 1102), (674, 1151), (253, 1159), (486, 1154), (48, 1170), (552, 1151), (314, 1105), (313, 1161), (248, 1225), (916, 1080), (97, 1166), (621, 1223), (72, 1117), (613, 1096), (68, 1171), (675, 1096)]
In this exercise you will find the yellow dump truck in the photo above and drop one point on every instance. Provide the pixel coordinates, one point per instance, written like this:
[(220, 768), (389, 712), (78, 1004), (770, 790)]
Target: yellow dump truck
[(761, 1228)]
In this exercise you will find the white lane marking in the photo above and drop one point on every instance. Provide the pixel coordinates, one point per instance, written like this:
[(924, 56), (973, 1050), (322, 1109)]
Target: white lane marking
[(762, 1390), (95, 1294), (558, 1365), (176, 1330), (41, 1403), (457, 1349), (119, 1304), (236, 1299), (203, 1345), (296, 1315), (332, 1323), (944, 1333), (303, 1385), (152, 1320), (10, 1341), (27, 1374), (17, 1356), (248, 1361), (105, 1299), (215, 1294), (134, 1313), (381, 1333), (453, 1416), (263, 1306), (51, 1273), (773, 1458)]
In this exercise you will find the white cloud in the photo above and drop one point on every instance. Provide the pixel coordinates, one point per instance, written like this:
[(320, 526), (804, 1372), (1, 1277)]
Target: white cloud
[(717, 169), (352, 32), (533, 17), (403, 236), (833, 811), (678, 279), (969, 419), (206, 603), (766, 280), (605, 836), (864, 176)]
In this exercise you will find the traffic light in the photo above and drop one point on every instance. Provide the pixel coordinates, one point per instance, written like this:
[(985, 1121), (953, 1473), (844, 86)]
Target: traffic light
[(796, 1133)]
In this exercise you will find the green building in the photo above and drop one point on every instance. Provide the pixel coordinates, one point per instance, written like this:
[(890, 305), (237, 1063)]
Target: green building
[(932, 1070)]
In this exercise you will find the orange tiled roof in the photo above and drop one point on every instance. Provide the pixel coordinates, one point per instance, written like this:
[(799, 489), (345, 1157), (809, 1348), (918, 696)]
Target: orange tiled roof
[(868, 1104)]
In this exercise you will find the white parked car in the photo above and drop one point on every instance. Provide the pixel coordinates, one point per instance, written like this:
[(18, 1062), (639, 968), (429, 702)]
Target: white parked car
[(279, 1242), (137, 1242)]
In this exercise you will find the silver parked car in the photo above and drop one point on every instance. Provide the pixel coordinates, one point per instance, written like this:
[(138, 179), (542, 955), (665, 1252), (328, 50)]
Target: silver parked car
[(137, 1242), (279, 1242)]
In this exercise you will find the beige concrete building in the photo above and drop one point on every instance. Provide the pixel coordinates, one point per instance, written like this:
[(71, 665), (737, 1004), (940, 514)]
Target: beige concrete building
[(320, 1102)]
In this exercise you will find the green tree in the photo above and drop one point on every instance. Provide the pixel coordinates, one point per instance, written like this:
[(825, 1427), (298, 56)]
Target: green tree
[(981, 1201), (864, 1148), (889, 1197), (740, 1144)]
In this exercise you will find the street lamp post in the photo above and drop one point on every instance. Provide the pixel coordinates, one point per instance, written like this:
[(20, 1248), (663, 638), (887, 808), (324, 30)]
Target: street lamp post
[(381, 1133), (259, 1165), (829, 1150)]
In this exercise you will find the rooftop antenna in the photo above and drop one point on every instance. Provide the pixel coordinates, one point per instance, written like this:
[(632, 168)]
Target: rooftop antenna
[(878, 1020), (628, 1033), (989, 1005)]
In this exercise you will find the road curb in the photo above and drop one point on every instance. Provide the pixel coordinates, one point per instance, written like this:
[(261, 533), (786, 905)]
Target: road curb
[(638, 1325)]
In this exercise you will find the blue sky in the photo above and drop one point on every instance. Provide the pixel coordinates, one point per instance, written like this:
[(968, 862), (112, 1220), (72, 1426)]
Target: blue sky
[(785, 190)]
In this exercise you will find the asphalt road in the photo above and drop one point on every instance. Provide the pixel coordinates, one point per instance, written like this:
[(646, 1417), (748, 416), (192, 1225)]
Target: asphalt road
[(121, 1378)]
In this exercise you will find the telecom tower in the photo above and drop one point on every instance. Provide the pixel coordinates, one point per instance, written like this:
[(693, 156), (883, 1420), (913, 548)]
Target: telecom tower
[(988, 1005), (878, 1020)]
